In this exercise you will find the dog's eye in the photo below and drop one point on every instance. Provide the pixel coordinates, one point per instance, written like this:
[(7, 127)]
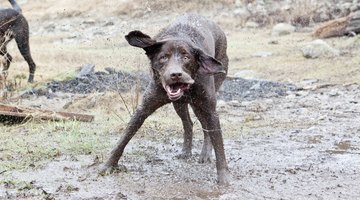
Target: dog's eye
[(186, 58), (163, 59)]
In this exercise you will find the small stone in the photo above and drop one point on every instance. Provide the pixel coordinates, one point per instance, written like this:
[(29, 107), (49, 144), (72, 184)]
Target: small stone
[(333, 93), (309, 81), (251, 24), (247, 73), (221, 104), (109, 23), (86, 70), (274, 42), (89, 22), (263, 54), (110, 70), (282, 29)]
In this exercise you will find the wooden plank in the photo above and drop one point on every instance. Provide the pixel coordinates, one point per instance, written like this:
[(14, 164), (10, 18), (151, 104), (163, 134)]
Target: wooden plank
[(18, 113)]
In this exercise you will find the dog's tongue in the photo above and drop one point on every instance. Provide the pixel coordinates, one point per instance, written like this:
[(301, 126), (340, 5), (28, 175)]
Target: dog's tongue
[(173, 90)]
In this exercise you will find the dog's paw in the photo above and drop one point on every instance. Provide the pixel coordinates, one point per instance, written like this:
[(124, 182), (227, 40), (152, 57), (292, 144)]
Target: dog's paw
[(205, 157), (107, 170), (224, 178)]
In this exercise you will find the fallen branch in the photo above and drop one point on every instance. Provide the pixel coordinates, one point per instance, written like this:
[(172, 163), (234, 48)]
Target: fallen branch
[(333, 28), (349, 25), (12, 114)]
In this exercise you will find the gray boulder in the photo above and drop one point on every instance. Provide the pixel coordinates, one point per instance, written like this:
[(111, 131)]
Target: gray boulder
[(319, 48), (282, 29)]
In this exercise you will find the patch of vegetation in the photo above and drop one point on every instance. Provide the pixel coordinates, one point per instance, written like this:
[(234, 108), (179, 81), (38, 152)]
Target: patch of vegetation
[(33, 144)]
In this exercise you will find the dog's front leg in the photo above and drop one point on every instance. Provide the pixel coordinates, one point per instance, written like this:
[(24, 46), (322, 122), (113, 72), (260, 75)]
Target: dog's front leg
[(205, 111), (153, 99)]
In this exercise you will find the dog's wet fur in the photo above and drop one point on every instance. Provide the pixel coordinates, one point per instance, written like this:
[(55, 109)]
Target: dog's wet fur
[(188, 64), (13, 25)]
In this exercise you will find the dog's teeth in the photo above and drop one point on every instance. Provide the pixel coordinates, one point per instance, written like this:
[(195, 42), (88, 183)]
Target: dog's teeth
[(178, 91), (168, 89)]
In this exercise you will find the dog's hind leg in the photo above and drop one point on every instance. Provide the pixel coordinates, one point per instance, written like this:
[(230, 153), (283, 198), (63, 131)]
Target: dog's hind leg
[(183, 111), (22, 40)]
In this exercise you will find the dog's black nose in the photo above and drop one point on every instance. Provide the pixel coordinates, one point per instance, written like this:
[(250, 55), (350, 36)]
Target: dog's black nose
[(175, 76)]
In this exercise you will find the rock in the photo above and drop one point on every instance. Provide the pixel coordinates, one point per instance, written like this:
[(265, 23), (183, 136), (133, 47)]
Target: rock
[(241, 12), (109, 23), (251, 24), (273, 42), (355, 6), (334, 93), (346, 6), (319, 48), (110, 70), (221, 104), (86, 70), (51, 27), (247, 73), (234, 103), (89, 21), (282, 29), (354, 25), (263, 54), (309, 81), (256, 86)]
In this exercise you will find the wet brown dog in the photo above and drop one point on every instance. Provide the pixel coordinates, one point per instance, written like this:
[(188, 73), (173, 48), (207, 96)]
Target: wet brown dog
[(189, 63), (14, 25)]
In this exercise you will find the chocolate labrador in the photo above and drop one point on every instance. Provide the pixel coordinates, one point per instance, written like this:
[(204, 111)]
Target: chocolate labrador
[(14, 25), (188, 65)]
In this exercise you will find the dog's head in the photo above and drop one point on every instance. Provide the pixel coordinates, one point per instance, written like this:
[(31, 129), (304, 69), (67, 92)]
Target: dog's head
[(175, 63)]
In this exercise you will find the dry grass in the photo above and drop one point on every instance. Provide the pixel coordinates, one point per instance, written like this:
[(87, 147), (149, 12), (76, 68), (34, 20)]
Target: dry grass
[(303, 12)]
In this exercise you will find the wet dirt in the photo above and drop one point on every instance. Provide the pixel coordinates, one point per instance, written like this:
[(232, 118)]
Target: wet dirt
[(304, 145)]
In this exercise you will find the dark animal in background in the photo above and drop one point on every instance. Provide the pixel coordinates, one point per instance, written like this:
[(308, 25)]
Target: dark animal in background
[(14, 25), (188, 64)]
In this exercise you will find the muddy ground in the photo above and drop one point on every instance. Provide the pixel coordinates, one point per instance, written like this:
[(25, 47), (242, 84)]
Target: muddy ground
[(291, 125), (304, 145)]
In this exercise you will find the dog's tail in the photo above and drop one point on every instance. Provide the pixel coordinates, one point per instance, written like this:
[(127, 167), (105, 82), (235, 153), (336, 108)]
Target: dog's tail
[(15, 6)]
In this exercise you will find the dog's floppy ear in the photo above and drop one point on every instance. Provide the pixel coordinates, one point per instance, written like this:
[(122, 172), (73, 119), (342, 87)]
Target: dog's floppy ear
[(139, 39), (208, 64)]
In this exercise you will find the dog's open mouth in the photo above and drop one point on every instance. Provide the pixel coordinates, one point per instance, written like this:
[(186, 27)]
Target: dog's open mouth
[(176, 90)]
